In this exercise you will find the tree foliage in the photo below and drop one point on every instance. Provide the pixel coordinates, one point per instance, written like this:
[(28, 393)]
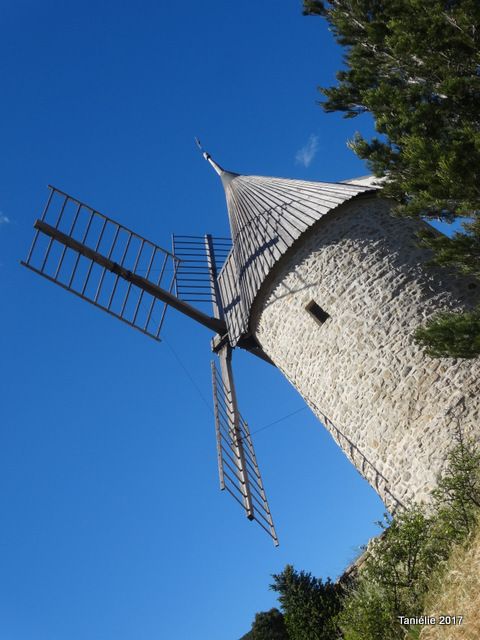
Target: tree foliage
[(415, 66), (309, 605), (396, 575), (268, 625), (457, 496), (460, 251), (397, 571), (451, 334)]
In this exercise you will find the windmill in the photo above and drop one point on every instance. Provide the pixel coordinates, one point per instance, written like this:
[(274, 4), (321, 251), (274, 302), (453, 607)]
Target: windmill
[(135, 280), (319, 279)]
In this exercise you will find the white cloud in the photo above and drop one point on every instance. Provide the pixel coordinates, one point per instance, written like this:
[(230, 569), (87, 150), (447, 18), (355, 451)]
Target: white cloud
[(306, 154), (4, 219)]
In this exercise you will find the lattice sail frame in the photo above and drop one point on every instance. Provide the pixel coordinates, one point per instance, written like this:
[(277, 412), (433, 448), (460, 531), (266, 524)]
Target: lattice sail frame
[(237, 464), (200, 260), (87, 253), (122, 273)]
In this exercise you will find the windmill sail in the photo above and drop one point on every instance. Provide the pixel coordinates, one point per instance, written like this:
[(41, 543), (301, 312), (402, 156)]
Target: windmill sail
[(108, 265), (237, 464), (200, 259), (135, 280)]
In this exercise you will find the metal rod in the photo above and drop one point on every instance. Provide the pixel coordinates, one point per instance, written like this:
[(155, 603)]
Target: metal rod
[(235, 485), (196, 237), (105, 221), (159, 279), (227, 413), (52, 191), (170, 290), (60, 262), (236, 471), (32, 247), (253, 468), (199, 253), (228, 452), (201, 268), (140, 297), (180, 279), (118, 276), (232, 494), (35, 237), (272, 533), (164, 310), (51, 238), (258, 491), (261, 504), (102, 277), (258, 513), (134, 270), (185, 299), (175, 253), (198, 286)]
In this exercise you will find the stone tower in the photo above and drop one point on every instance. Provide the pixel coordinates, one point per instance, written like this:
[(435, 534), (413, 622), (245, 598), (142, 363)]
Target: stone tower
[(331, 285)]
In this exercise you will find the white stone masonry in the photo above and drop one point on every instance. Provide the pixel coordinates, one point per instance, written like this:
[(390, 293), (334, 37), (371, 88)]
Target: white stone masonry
[(392, 409)]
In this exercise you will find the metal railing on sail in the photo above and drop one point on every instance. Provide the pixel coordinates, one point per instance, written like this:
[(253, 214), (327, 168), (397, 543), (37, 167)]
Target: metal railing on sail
[(96, 258), (230, 467), (195, 279)]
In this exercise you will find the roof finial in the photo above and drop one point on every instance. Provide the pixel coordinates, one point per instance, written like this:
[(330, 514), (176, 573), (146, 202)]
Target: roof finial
[(209, 158)]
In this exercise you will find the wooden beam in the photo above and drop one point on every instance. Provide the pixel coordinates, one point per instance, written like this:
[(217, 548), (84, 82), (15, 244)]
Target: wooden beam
[(214, 324)]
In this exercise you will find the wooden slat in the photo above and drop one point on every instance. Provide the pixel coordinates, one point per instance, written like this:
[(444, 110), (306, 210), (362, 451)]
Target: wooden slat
[(267, 215)]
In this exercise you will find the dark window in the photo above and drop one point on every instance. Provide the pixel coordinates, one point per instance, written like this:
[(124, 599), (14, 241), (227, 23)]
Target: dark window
[(317, 312)]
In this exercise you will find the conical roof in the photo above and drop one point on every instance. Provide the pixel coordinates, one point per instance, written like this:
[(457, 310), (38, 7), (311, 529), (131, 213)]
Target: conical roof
[(267, 215)]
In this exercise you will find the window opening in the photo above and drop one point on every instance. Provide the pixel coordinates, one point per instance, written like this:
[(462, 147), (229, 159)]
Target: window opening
[(317, 312)]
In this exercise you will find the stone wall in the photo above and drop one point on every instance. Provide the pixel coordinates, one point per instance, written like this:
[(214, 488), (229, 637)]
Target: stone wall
[(392, 409)]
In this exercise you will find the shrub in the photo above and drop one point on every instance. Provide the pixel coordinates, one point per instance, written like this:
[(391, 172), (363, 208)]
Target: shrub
[(397, 574)]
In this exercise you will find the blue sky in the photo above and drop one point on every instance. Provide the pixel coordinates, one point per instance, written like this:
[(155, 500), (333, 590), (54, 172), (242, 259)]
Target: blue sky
[(113, 526)]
